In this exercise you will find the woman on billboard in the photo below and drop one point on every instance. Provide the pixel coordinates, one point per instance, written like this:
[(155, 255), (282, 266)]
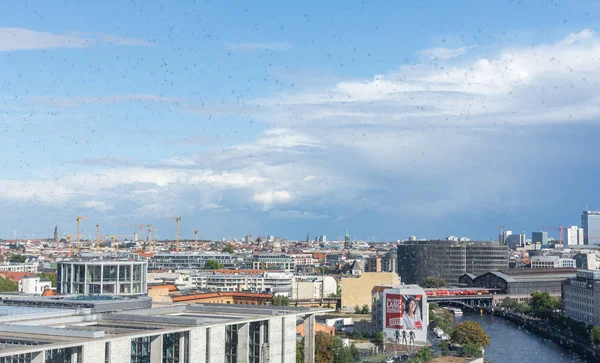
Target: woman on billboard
[(411, 318)]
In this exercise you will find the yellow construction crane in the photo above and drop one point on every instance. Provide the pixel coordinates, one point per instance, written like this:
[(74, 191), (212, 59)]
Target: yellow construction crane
[(79, 218), (150, 242), (177, 220), (195, 238)]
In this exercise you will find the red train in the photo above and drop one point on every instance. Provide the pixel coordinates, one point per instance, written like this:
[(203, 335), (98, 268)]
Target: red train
[(455, 292)]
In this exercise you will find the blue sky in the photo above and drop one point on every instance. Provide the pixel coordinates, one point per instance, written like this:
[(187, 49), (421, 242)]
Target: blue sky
[(389, 118)]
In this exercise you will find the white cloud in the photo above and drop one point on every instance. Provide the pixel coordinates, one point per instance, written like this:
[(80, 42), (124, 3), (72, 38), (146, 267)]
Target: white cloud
[(12, 39), (98, 205), (250, 47), (107, 100), (271, 197), (295, 214), (445, 53)]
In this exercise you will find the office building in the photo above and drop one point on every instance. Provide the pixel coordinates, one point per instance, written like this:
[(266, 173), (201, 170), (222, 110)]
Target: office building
[(272, 261), (552, 262), (573, 236), (249, 238), (540, 238), (515, 240), (590, 223), (20, 267), (102, 277), (504, 235), (92, 331), (448, 260), (191, 261), (581, 297), (389, 262), (373, 264)]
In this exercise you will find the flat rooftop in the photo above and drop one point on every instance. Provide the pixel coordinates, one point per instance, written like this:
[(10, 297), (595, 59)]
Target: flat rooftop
[(59, 327)]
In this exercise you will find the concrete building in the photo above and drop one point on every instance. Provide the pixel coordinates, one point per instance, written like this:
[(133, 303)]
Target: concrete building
[(587, 260), (514, 241), (590, 223), (48, 330), (33, 285), (313, 287), (389, 262), (574, 236), (552, 262), (191, 261), (390, 304), (448, 260), (249, 238), (357, 290), (373, 264), (540, 238), (303, 259), (272, 261), (20, 267), (581, 297), (102, 277)]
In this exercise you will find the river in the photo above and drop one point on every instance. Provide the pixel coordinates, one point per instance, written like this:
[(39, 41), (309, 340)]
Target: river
[(512, 344)]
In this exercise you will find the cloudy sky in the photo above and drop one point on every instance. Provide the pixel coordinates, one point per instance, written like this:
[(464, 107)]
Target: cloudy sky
[(385, 118)]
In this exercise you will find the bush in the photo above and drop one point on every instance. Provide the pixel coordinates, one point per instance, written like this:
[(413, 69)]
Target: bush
[(471, 350)]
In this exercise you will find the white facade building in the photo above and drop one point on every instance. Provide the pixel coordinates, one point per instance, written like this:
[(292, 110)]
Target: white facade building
[(303, 259), (33, 285), (573, 236), (20, 267), (551, 262)]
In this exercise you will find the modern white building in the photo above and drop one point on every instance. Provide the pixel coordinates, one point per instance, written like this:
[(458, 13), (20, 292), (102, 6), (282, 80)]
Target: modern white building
[(573, 236), (33, 285), (191, 261), (581, 297), (102, 277), (272, 261), (51, 330), (20, 267), (552, 262)]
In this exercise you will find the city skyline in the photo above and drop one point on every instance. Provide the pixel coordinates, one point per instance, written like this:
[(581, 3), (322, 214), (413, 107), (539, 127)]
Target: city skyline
[(277, 119)]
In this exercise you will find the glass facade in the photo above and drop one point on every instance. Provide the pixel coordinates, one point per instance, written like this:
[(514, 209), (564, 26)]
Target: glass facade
[(590, 222), (18, 358), (172, 347), (102, 277), (259, 336), (231, 342), (140, 350), (63, 355)]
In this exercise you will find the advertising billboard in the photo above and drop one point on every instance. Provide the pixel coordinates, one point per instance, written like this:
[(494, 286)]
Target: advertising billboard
[(405, 316)]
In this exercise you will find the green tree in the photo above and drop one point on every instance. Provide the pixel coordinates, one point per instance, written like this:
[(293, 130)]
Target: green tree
[(365, 309), (379, 337), (300, 351), (213, 265), (323, 348), (470, 332), (543, 305), (48, 276), (354, 352), (228, 248), (16, 258), (433, 282), (7, 285), (441, 318), (424, 355), (357, 309), (595, 334), (471, 350), (281, 300)]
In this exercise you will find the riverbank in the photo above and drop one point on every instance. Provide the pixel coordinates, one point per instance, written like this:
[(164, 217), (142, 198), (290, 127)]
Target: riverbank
[(541, 328)]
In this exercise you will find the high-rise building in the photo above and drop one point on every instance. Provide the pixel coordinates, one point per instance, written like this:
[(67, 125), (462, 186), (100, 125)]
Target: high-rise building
[(590, 222), (249, 238), (55, 239), (539, 237), (504, 236), (515, 240), (448, 260), (574, 236)]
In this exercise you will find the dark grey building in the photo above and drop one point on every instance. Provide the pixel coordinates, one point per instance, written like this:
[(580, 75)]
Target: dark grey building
[(541, 237), (448, 260), (590, 222), (522, 281)]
